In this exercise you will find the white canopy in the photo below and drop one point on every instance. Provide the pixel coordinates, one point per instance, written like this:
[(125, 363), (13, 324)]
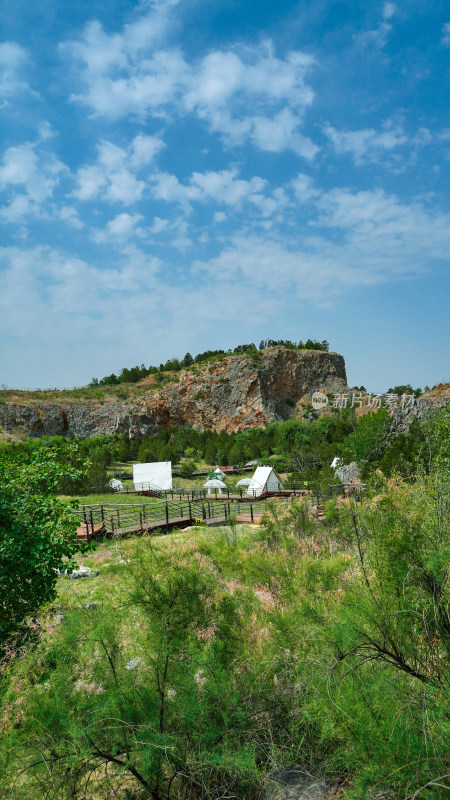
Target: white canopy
[(219, 472), (155, 475), (115, 484), (264, 479), (214, 483), (244, 482)]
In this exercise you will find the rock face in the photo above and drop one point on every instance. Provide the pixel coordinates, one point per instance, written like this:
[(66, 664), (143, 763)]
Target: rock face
[(235, 393), (434, 400), (240, 392), (348, 474), (40, 418)]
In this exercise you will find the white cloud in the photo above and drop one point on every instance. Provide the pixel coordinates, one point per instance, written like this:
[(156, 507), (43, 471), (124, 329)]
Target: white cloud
[(377, 239), (219, 216), (354, 240), (158, 225), (223, 187), (365, 144), (446, 35), (226, 187), (222, 76), (35, 173), (121, 227), (304, 188), (114, 175), (389, 10), (144, 148), (243, 94), (167, 187), (13, 59), (122, 72), (46, 131), (45, 281), (225, 89), (392, 235), (68, 214), (375, 38), (281, 133)]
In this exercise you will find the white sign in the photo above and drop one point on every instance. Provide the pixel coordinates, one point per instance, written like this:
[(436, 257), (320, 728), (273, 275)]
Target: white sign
[(319, 400), (389, 400)]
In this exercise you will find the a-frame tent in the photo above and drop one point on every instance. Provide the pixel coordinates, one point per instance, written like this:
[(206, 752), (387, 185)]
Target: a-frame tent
[(264, 479)]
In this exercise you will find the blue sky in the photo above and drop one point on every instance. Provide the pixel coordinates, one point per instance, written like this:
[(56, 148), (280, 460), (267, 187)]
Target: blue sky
[(184, 175)]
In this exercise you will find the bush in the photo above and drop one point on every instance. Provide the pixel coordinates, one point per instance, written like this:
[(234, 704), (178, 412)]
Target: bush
[(37, 535)]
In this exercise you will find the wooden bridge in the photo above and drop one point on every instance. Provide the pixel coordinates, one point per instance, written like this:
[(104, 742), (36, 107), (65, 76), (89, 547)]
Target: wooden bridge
[(128, 518), (185, 508)]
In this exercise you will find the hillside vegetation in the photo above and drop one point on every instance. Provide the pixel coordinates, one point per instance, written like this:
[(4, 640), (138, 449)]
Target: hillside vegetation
[(303, 448), (197, 663)]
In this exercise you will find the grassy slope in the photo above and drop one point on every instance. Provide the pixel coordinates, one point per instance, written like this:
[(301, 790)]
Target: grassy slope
[(109, 558)]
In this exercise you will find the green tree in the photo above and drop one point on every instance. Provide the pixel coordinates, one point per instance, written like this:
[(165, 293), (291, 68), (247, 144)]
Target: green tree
[(370, 438), (187, 468), (37, 534)]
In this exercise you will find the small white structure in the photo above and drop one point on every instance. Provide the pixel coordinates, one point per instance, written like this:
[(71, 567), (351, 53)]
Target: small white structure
[(115, 484), (219, 473), (264, 479), (244, 482), (214, 484), (337, 462), (155, 475)]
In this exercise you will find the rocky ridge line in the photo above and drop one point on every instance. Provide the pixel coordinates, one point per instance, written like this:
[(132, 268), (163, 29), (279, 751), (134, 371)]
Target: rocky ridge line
[(232, 394)]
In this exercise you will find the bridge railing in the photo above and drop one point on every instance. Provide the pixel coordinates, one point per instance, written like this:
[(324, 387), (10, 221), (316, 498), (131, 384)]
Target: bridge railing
[(112, 518), (115, 518)]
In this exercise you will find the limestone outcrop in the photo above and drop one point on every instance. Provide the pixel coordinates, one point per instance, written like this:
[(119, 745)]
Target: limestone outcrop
[(231, 394), (38, 418)]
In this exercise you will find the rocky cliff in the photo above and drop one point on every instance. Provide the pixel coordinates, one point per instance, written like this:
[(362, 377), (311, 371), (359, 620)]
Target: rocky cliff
[(434, 400), (232, 394)]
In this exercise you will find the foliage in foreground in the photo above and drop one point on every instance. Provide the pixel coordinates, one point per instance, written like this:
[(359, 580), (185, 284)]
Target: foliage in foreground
[(228, 656), (37, 534)]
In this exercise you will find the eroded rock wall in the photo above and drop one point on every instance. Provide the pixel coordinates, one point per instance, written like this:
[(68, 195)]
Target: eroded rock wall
[(38, 418), (233, 394)]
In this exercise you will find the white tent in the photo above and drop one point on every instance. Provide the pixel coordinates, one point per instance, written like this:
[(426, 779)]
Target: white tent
[(212, 484), (156, 475), (264, 479), (219, 473), (115, 484), (244, 482)]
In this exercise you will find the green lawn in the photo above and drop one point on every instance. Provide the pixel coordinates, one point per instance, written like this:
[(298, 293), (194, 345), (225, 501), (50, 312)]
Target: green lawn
[(110, 499)]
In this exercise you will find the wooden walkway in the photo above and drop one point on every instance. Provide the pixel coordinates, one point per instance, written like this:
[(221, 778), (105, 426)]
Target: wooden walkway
[(121, 519), (107, 521)]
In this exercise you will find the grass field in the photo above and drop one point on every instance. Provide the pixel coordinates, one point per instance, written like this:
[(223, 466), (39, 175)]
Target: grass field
[(110, 559), (110, 499)]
